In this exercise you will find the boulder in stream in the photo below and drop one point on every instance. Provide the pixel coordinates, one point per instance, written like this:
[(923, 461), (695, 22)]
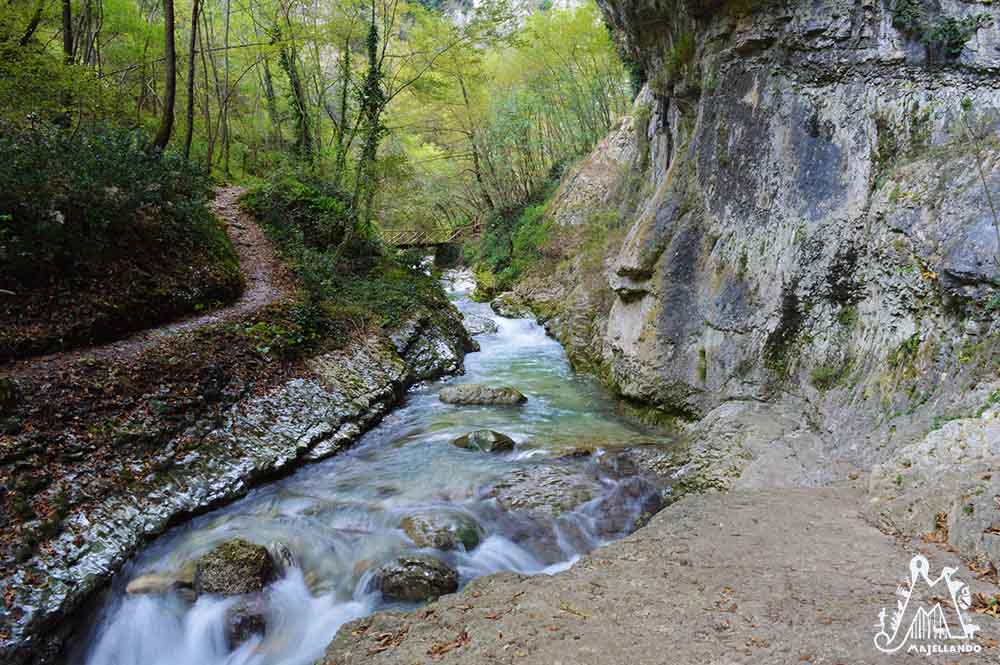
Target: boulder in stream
[(441, 530), (477, 393), (545, 489), (416, 577), (485, 440), (245, 619), (479, 325), (154, 584), (234, 567), (627, 507), (510, 306)]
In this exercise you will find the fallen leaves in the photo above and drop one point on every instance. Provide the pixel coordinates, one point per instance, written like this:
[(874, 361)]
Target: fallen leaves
[(984, 604), (388, 640), (437, 651), (940, 533)]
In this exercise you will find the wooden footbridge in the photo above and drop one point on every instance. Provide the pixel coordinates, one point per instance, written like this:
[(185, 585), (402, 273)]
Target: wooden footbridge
[(410, 238)]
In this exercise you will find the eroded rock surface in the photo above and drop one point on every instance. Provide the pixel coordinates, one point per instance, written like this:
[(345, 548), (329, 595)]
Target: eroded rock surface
[(544, 489), (475, 393), (486, 441), (416, 577), (234, 567), (750, 576), (479, 325), (442, 530), (948, 480)]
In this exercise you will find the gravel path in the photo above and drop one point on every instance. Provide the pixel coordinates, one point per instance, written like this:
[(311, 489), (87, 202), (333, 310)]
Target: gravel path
[(765, 576), (266, 282)]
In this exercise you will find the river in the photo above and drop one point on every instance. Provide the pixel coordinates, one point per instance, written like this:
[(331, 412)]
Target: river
[(341, 518)]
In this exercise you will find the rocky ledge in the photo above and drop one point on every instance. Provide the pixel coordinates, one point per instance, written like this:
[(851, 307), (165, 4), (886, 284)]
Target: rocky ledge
[(343, 394), (749, 576)]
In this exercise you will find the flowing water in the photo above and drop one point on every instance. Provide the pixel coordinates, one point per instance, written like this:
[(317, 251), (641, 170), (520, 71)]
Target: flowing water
[(341, 518)]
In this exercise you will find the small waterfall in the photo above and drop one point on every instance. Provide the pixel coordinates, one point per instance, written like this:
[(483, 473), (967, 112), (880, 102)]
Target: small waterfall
[(341, 519)]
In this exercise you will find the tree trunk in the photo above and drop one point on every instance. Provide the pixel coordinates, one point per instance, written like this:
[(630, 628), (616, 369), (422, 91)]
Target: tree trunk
[(170, 91), (225, 108), (192, 47), (36, 18), (67, 29)]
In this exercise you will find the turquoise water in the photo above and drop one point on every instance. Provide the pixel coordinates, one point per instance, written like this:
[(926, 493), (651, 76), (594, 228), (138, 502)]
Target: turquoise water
[(340, 518)]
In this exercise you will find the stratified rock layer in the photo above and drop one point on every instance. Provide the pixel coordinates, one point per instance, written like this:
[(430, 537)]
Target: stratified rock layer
[(304, 420)]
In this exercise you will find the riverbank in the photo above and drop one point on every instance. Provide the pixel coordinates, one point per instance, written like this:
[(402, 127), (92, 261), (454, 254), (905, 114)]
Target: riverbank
[(103, 448), (325, 405), (751, 576)]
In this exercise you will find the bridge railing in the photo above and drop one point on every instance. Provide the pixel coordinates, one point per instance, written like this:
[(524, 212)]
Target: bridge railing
[(424, 238)]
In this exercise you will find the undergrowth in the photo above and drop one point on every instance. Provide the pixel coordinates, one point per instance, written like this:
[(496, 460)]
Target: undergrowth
[(346, 287)]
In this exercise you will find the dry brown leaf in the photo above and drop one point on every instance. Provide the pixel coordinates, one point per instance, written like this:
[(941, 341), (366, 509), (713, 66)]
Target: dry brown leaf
[(437, 651)]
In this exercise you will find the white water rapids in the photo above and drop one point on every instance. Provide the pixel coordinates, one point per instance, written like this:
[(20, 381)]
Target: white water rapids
[(341, 518)]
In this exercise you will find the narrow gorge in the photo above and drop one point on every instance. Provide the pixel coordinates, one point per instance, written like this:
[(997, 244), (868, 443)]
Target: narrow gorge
[(459, 374)]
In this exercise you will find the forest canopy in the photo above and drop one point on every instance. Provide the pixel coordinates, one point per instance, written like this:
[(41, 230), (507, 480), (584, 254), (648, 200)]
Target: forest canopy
[(421, 114)]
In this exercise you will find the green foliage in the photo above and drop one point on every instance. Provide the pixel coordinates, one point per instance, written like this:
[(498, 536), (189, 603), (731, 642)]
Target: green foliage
[(343, 291), (906, 352), (825, 377), (65, 195), (680, 55), (848, 316), (511, 244), (302, 209), (943, 37), (991, 401)]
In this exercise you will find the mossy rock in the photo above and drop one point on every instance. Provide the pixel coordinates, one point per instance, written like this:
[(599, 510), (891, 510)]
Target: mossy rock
[(486, 441), (234, 567), (475, 393), (416, 578), (441, 530)]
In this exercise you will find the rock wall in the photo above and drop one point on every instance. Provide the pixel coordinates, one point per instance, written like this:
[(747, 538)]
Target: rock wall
[(810, 268), (304, 420)]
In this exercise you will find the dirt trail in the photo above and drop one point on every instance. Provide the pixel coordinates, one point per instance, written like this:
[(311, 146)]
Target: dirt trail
[(266, 282), (785, 576)]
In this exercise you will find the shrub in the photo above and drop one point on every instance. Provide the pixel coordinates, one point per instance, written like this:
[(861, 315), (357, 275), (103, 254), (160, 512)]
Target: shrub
[(345, 287), (943, 37), (64, 195)]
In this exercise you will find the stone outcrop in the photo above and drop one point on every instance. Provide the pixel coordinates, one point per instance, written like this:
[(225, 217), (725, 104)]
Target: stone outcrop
[(802, 257), (442, 530), (234, 567), (946, 482), (416, 577), (475, 393), (485, 440), (309, 418), (544, 489)]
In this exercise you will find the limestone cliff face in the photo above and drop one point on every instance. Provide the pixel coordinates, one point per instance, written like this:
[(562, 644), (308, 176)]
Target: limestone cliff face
[(815, 226), (815, 216)]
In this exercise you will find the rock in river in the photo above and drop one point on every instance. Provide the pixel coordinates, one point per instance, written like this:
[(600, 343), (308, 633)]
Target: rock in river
[(441, 530), (234, 567), (545, 489), (245, 619), (416, 577), (627, 507), (485, 440), (479, 325), (510, 306), (476, 393), (153, 584)]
